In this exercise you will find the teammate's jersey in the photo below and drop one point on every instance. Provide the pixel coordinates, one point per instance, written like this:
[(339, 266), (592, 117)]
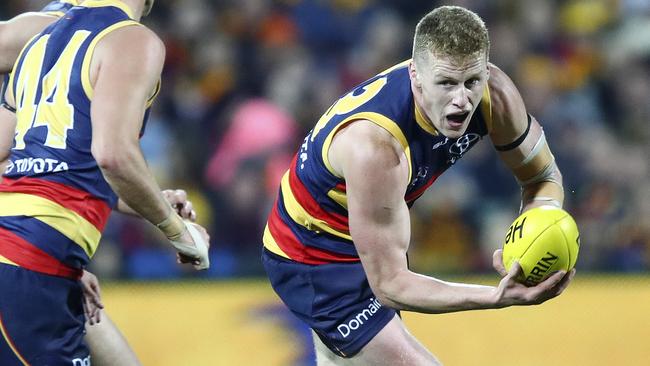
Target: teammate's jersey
[(54, 200), (56, 8), (309, 220), (60, 7)]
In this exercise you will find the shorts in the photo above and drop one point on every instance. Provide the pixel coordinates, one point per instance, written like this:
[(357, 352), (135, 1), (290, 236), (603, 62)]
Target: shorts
[(335, 300), (41, 319)]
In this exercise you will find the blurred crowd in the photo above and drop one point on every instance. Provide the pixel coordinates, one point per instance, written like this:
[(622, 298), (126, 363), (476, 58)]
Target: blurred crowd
[(245, 80)]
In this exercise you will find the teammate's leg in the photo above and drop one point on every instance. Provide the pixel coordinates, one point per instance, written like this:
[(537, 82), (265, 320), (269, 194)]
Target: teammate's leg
[(107, 345), (393, 346)]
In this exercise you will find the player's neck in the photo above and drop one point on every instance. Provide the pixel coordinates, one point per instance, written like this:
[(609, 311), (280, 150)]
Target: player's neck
[(137, 7)]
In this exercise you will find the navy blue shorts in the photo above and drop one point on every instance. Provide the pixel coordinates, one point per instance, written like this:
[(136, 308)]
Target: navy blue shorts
[(335, 300), (41, 319)]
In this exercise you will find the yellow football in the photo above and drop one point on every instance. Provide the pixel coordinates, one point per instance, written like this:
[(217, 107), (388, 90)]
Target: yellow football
[(543, 240)]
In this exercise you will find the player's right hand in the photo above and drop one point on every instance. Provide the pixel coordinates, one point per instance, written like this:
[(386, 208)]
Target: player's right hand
[(92, 302), (193, 245), (510, 292)]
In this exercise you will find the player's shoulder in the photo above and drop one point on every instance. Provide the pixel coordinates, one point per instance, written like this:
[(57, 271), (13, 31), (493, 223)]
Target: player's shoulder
[(508, 111), (368, 142), (135, 39), (502, 88)]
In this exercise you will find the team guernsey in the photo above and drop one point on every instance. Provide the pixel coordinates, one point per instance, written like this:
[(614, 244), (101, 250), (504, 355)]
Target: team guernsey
[(309, 255), (309, 221), (54, 201)]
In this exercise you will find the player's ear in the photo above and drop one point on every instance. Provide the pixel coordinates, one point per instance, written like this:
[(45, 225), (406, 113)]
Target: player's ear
[(413, 75)]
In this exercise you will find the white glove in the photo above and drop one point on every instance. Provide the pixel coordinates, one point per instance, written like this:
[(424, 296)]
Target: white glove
[(198, 251)]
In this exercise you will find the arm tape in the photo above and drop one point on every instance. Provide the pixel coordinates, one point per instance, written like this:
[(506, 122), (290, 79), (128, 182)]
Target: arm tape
[(546, 175), (518, 141), (8, 107)]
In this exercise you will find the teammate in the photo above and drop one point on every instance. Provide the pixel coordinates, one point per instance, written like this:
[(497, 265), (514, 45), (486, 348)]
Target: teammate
[(96, 67), (336, 240)]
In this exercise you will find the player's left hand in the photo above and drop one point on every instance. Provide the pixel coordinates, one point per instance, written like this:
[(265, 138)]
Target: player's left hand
[(178, 199), (92, 301)]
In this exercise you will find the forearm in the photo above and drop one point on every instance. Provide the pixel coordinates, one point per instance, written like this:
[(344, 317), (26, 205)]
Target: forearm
[(128, 175), (123, 208), (542, 193), (414, 292)]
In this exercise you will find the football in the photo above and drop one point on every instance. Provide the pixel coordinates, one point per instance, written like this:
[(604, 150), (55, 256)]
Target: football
[(543, 240)]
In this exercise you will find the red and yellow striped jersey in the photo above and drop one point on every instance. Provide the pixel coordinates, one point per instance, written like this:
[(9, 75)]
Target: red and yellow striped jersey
[(309, 220), (54, 200)]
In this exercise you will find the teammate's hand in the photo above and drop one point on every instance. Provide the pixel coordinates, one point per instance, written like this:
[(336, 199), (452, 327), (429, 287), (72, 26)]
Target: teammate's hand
[(92, 301), (510, 292), (178, 199), (193, 245)]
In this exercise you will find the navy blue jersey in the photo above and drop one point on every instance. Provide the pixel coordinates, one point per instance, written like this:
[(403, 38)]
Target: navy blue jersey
[(54, 199), (309, 221)]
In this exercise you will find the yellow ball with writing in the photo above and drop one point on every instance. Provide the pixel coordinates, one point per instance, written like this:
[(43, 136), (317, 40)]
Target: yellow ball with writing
[(543, 240)]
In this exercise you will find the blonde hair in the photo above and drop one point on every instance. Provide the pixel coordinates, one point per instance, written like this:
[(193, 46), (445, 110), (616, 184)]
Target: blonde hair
[(450, 31)]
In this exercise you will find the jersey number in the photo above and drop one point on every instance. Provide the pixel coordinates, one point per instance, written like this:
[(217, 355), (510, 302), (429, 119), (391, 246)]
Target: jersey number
[(349, 102), (53, 110)]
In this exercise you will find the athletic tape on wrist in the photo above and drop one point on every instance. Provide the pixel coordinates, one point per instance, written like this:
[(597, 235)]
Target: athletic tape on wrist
[(198, 251)]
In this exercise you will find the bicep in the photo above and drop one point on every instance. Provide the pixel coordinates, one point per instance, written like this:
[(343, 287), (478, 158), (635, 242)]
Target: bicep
[(376, 175), (125, 69)]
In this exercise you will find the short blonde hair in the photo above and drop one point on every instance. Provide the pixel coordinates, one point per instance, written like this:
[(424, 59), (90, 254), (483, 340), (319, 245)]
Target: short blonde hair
[(450, 31)]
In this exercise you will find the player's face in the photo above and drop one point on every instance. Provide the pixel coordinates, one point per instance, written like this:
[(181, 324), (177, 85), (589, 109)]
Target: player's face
[(448, 91)]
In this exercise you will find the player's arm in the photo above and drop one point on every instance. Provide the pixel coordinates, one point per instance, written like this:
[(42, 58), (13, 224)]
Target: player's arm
[(7, 128), (15, 33), (521, 144), (125, 67), (376, 173)]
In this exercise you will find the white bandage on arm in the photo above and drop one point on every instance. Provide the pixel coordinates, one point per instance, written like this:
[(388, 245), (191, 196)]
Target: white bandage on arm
[(534, 167), (199, 250)]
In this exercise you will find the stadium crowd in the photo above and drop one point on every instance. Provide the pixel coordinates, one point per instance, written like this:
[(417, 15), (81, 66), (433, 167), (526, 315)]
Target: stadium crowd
[(245, 80)]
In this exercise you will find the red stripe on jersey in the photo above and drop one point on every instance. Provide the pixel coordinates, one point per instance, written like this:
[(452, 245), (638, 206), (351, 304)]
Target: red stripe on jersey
[(304, 198), (28, 256), (297, 251), (417, 193), (91, 208)]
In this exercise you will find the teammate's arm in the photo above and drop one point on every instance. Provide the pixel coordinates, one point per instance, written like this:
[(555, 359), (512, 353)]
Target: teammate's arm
[(15, 33), (521, 144), (376, 174), (7, 128), (125, 67)]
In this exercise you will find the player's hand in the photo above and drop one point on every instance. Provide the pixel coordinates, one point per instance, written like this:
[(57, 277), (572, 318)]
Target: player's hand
[(510, 292), (92, 301), (193, 245), (497, 262), (178, 199)]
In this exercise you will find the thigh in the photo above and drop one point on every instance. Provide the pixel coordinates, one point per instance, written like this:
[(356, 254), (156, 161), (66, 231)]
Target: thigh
[(107, 344), (41, 319), (392, 346)]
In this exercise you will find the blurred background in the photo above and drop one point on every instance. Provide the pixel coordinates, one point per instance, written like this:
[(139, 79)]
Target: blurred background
[(245, 80)]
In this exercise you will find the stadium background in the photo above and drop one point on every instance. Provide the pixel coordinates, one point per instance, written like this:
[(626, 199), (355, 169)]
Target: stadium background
[(246, 79)]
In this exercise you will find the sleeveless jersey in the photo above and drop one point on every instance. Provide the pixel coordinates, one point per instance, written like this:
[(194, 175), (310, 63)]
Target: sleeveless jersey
[(309, 220), (55, 8), (54, 200)]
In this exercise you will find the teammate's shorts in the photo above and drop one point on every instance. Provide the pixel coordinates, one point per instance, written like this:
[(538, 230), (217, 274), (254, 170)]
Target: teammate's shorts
[(41, 319), (335, 300)]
